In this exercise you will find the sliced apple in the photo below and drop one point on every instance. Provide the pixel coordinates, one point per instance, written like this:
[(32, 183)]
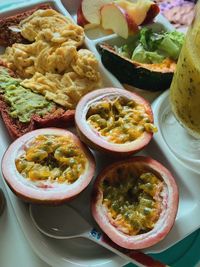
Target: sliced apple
[(115, 18), (151, 14), (140, 11), (91, 10), (81, 20)]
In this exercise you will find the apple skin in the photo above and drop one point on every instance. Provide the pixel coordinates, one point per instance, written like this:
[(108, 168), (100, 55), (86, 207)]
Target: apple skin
[(91, 10), (124, 17), (132, 26), (81, 20), (143, 12), (151, 14)]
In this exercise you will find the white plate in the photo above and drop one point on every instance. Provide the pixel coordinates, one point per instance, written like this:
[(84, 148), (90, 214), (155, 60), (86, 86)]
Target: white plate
[(188, 181), (79, 252)]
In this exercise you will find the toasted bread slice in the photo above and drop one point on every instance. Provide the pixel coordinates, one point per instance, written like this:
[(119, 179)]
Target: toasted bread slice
[(58, 117), (8, 34)]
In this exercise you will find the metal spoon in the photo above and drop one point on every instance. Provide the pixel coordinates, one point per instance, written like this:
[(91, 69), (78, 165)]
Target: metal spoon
[(63, 222)]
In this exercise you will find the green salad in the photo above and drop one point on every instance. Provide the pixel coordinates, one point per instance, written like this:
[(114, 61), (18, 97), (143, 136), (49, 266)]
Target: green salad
[(152, 47)]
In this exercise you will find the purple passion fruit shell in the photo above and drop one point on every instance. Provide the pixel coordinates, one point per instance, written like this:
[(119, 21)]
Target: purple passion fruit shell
[(41, 166), (135, 202), (126, 112)]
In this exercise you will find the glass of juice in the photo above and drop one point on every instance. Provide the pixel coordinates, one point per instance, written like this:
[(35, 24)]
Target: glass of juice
[(181, 130), (185, 87)]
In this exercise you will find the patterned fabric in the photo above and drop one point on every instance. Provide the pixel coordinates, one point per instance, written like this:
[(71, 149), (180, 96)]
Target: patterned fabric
[(179, 12)]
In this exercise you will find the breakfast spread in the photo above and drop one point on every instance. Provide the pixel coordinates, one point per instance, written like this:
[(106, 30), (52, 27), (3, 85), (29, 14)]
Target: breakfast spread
[(49, 77)]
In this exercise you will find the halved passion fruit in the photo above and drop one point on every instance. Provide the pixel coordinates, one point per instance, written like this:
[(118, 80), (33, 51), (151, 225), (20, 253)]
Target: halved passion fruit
[(135, 202), (114, 121), (48, 166)]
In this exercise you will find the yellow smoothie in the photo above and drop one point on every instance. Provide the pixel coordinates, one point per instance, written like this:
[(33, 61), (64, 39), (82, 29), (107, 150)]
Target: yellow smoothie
[(185, 87)]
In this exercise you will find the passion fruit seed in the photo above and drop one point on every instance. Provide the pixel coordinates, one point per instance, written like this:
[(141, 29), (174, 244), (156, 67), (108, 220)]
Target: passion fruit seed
[(54, 158), (119, 119), (133, 202)]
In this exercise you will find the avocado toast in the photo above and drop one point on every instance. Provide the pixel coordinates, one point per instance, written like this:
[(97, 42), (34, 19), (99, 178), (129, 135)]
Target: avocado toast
[(23, 110)]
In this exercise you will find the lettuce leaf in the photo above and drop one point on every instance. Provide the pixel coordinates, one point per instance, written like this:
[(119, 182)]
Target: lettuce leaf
[(153, 47), (166, 43), (171, 44), (149, 39), (143, 56)]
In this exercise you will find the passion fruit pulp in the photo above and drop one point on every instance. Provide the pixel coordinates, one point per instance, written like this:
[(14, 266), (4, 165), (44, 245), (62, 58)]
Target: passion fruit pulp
[(135, 202), (48, 166), (114, 121)]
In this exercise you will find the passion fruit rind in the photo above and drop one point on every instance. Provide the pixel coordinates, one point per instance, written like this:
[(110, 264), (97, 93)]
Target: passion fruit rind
[(135, 213), (32, 188), (124, 127)]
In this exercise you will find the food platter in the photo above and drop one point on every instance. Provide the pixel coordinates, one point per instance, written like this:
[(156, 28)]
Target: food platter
[(78, 252)]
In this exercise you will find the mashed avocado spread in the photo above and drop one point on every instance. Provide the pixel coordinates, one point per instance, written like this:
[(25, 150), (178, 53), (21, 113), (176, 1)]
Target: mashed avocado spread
[(23, 102)]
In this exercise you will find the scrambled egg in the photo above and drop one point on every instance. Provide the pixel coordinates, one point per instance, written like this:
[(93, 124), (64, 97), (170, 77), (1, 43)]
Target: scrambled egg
[(52, 64), (67, 89), (40, 20)]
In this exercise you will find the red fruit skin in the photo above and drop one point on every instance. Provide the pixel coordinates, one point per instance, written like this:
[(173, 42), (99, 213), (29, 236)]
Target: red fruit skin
[(164, 223), (151, 14), (81, 20), (132, 26), (94, 140), (43, 194)]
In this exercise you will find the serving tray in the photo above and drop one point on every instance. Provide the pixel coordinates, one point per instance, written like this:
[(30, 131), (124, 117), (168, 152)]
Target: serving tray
[(80, 252)]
